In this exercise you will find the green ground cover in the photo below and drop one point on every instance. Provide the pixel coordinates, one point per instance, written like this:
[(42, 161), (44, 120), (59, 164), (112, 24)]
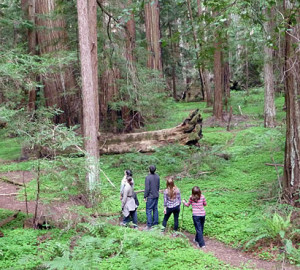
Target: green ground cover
[(97, 245)]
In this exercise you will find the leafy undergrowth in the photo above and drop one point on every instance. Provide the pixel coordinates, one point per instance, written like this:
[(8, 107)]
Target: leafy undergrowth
[(97, 245), (229, 167), (10, 148)]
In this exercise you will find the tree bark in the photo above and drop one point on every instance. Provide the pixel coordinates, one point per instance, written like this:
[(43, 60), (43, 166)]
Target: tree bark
[(269, 104), (197, 47), (60, 87), (226, 83), (86, 21), (92, 12), (188, 133), (218, 91), (173, 62), (153, 35), (205, 73), (109, 92), (291, 177)]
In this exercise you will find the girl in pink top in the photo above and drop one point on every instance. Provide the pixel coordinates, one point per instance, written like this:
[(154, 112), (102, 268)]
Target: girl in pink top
[(197, 200)]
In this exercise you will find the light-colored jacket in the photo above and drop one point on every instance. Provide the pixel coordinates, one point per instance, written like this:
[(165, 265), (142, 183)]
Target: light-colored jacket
[(128, 202), (123, 183)]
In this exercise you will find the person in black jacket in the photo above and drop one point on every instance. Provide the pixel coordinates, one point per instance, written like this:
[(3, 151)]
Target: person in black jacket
[(152, 183)]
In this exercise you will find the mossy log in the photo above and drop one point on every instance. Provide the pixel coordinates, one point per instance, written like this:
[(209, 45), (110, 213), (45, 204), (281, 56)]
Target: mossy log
[(187, 133)]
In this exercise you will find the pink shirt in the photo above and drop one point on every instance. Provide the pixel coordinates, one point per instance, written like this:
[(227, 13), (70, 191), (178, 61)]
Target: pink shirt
[(198, 207)]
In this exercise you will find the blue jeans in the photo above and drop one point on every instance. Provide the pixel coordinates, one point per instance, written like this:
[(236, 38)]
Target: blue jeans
[(199, 226), (133, 215), (175, 210), (151, 205)]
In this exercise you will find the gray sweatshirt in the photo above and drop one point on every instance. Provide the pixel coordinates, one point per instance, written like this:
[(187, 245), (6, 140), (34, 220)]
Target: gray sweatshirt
[(152, 183)]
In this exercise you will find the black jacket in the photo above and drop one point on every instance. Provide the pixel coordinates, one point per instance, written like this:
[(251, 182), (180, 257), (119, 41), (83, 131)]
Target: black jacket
[(152, 183)]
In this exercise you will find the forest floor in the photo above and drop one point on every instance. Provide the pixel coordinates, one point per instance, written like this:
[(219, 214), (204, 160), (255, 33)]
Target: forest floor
[(57, 210)]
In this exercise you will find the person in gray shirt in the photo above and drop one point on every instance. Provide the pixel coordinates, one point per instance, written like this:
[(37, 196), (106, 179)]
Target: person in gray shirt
[(151, 194)]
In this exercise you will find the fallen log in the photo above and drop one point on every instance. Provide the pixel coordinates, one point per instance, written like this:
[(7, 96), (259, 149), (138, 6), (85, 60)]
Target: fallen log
[(274, 164), (9, 219), (11, 181), (187, 133), (111, 214), (140, 191)]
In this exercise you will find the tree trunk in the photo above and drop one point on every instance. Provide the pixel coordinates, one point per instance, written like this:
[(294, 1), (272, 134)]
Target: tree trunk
[(130, 37), (109, 92), (226, 83), (173, 62), (153, 35), (59, 86), (269, 108), (291, 177), (86, 20), (188, 133), (28, 7), (279, 56), (92, 12), (204, 72), (197, 48), (218, 91), (129, 121), (207, 88), (247, 70)]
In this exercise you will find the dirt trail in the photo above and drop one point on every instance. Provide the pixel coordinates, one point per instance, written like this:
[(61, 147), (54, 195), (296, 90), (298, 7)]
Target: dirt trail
[(58, 211), (227, 254)]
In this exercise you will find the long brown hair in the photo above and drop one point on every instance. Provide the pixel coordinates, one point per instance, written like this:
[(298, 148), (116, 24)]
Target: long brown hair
[(196, 194), (171, 188)]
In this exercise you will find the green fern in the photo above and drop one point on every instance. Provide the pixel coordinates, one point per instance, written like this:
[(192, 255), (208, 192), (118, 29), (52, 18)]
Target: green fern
[(275, 228), (94, 229), (253, 241)]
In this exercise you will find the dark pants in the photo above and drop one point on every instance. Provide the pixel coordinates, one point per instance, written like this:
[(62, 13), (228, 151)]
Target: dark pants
[(133, 215), (151, 205), (175, 211), (199, 226)]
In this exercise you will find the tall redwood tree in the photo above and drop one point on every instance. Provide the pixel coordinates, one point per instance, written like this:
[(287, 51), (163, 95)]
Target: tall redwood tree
[(218, 78), (87, 23), (269, 105), (291, 177), (153, 35)]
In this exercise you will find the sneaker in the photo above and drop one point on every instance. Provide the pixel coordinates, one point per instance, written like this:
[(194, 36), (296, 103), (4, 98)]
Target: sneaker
[(203, 247), (146, 228), (123, 224)]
